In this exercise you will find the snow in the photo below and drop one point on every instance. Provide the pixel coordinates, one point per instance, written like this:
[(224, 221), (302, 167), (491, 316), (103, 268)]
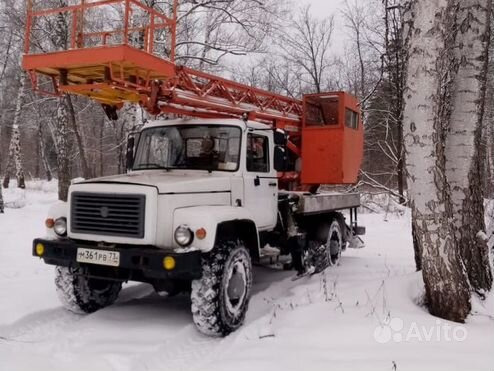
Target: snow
[(365, 314)]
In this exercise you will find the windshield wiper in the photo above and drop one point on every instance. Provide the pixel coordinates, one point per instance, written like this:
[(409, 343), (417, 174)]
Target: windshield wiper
[(151, 165)]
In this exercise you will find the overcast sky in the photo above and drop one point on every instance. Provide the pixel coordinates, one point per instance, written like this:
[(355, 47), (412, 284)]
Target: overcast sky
[(321, 9), (324, 8)]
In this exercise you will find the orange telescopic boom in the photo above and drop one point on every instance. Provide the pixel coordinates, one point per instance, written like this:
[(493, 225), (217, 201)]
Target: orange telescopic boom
[(132, 59)]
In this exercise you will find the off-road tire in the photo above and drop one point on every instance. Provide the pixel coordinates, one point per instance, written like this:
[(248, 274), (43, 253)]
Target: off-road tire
[(325, 249), (81, 294), (214, 311)]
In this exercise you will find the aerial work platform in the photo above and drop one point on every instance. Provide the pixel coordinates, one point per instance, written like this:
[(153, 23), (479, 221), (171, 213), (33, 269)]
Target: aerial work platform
[(127, 53)]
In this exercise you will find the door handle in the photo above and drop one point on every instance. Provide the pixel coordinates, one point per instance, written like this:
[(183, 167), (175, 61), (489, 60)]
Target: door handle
[(273, 184)]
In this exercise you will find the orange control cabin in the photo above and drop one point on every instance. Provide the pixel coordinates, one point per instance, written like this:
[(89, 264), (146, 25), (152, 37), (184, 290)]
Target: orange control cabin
[(133, 60), (332, 139)]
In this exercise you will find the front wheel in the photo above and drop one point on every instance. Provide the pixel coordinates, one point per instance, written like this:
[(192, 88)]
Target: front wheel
[(81, 294), (221, 297)]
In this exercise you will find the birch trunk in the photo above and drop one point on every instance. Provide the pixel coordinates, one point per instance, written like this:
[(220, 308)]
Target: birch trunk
[(489, 131), (1, 200), (129, 121), (426, 120), (44, 160), (62, 150), (490, 153), (465, 147), (488, 122), (86, 171), (15, 149), (101, 148)]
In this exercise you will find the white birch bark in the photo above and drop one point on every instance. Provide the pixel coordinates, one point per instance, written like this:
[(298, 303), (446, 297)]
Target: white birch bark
[(62, 150), (426, 117), (465, 148), (130, 120), (15, 148), (44, 160), (1, 200)]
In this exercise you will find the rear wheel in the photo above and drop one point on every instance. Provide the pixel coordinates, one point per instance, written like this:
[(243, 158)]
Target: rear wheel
[(221, 297), (81, 294), (325, 248), (334, 244)]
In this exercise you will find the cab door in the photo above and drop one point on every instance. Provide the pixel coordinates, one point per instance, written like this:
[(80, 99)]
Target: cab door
[(260, 180)]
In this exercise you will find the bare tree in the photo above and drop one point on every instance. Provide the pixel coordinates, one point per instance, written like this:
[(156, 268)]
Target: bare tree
[(374, 70), (354, 15), (212, 29), (307, 45), (274, 73), (394, 64)]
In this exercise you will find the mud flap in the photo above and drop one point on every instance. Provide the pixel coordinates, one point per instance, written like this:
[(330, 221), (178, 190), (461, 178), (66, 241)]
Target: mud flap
[(355, 242)]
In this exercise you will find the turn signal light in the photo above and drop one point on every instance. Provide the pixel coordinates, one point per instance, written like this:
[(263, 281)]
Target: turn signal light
[(169, 263), (49, 223), (40, 249), (201, 233)]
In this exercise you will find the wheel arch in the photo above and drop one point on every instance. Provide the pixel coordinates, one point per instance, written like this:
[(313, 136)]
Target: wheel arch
[(312, 222), (245, 230)]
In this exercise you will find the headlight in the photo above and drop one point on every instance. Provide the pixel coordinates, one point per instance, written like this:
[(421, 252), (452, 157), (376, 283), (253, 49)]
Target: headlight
[(184, 236), (60, 227)]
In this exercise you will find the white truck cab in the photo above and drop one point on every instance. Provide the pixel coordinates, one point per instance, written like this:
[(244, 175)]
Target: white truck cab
[(194, 173)]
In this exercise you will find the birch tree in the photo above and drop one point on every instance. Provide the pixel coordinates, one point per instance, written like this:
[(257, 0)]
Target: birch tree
[(42, 152), (60, 40), (62, 146), (465, 147), (130, 120), (444, 105), (489, 120), (15, 149)]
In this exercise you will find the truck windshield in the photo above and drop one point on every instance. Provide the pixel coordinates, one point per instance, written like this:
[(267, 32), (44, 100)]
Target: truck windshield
[(195, 147)]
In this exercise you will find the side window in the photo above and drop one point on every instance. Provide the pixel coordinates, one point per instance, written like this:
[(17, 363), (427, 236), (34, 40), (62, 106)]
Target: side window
[(257, 153), (351, 119)]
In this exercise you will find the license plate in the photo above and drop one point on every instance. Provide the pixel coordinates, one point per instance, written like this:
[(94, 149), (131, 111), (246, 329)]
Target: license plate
[(100, 257)]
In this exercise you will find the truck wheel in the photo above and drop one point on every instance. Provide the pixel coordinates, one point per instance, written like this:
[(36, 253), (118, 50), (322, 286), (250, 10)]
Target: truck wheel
[(325, 251), (221, 297), (81, 294), (335, 242)]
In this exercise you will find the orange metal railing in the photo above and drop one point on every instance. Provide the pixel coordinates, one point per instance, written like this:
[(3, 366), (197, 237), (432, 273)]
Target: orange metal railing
[(141, 34)]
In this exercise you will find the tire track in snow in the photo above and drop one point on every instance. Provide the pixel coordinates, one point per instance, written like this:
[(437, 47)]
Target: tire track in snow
[(39, 327), (141, 331)]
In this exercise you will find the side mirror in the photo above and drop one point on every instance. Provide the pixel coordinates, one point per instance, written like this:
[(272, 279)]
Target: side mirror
[(280, 158), (130, 152), (279, 137)]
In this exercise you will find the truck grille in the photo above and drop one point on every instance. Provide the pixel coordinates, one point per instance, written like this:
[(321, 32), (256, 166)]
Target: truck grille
[(108, 214)]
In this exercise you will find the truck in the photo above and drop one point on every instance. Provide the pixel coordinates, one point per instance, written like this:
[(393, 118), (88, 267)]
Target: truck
[(208, 194)]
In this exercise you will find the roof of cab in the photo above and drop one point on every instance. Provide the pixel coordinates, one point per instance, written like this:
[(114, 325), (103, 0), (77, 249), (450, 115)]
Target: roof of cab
[(235, 122)]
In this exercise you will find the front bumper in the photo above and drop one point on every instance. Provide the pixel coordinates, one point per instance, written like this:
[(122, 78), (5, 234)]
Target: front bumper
[(136, 263)]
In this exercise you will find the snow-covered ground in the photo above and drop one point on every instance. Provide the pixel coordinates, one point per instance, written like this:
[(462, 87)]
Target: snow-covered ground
[(362, 315)]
